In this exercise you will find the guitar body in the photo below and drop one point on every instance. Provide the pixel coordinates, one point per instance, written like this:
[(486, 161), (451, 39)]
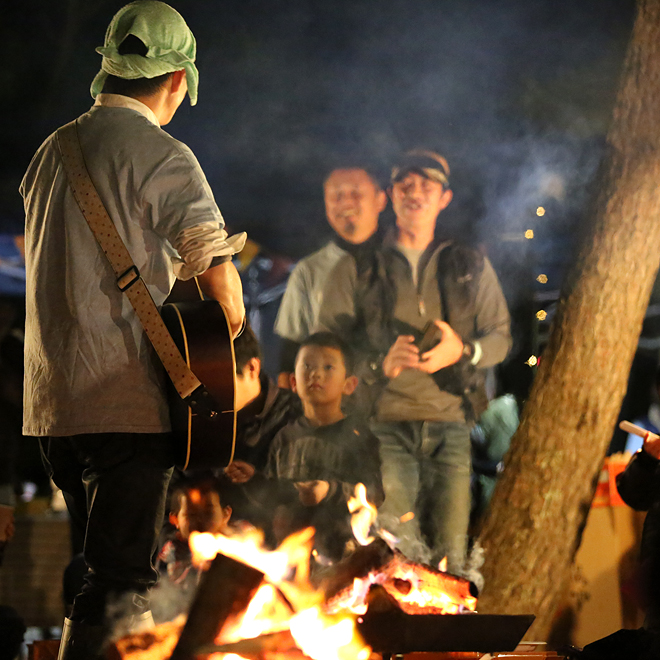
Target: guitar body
[(201, 332)]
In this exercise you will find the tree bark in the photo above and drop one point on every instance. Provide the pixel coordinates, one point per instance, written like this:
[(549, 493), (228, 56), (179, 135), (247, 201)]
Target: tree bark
[(540, 505)]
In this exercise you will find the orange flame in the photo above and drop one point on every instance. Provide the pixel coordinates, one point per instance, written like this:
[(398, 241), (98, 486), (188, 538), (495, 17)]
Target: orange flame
[(364, 515), (287, 601), (319, 635)]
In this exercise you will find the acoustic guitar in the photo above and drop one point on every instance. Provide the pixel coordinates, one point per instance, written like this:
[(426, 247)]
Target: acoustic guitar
[(202, 333)]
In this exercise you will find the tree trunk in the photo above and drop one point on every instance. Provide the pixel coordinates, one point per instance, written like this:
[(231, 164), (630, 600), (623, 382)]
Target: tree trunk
[(540, 505)]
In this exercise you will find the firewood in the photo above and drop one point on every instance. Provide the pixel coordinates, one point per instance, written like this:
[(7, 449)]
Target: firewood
[(379, 600), (404, 577), (156, 643), (223, 593), (363, 561), (256, 647)]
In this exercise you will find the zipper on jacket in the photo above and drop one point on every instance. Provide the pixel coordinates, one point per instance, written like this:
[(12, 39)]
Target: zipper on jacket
[(421, 305)]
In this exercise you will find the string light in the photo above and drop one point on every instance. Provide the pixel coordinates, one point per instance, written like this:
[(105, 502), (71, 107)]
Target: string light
[(529, 234), (540, 211), (532, 361), (541, 315), (543, 279)]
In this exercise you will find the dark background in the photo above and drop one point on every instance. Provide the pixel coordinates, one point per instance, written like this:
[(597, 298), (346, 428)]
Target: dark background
[(517, 94)]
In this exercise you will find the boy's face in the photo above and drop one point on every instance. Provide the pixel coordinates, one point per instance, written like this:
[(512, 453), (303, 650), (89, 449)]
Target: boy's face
[(320, 375), (201, 512)]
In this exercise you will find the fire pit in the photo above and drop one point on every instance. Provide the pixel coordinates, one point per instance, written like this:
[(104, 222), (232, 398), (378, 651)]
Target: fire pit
[(255, 604), (374, 601)]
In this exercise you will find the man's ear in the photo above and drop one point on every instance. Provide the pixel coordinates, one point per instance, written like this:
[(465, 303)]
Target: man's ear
[(350, 384), (447, 196), (382, 201), (292, 382), (176, 80), (254, 367)]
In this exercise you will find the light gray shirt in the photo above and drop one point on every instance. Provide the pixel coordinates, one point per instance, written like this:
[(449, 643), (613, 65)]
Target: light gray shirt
[(89, 367), (301, 303)]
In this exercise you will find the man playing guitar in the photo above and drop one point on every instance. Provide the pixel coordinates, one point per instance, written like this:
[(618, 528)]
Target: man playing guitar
[(94, 390)]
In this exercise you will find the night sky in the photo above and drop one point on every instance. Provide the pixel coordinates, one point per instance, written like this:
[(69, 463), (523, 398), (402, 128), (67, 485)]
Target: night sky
[(516, 93)]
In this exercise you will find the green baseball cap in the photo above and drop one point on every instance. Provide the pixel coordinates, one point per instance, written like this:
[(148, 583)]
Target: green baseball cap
[(171, 45)]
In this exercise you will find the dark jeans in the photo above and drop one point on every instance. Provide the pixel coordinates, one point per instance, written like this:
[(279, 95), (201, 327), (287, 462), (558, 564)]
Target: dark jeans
[(426, 472), (115, 487)]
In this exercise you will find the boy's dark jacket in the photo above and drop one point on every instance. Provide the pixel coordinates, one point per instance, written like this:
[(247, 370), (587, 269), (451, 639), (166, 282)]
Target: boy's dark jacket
[(255, 432), (345, 452)]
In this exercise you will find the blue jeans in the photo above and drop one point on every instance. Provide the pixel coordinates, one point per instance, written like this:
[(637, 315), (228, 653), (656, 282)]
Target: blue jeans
[(426, 471)]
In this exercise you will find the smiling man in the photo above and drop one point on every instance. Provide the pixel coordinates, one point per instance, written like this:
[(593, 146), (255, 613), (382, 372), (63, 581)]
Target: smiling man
[(423, 399), (353, 201)]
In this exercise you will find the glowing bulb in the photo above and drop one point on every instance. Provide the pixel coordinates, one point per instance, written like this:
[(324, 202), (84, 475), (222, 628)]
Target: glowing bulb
[(541, 315), (532, 362), (529, 234), (543, 279), (540, 211)]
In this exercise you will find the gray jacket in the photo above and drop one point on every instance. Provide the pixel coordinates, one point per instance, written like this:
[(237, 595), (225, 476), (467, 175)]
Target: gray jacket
[(347, 311)]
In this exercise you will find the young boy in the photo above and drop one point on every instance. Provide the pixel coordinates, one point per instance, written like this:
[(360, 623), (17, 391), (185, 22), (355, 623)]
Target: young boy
[(195, 506), (324, 453)]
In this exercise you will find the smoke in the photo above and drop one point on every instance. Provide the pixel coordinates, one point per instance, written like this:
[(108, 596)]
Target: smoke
[(400, 537), (485, 83), (169, 600)]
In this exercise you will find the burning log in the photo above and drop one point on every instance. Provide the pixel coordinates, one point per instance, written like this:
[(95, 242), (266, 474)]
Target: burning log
[(416, 588), (256, 647), (225, 590), (398, 605), (366, 559), (151, 644), (421, 589)]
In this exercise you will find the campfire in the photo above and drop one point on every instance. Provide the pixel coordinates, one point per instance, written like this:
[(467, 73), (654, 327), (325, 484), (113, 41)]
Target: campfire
[(255, 604)]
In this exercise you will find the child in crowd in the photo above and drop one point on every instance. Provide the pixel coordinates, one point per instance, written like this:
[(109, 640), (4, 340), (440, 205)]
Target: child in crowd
[(195, 506), (263, 410), (324, 454)]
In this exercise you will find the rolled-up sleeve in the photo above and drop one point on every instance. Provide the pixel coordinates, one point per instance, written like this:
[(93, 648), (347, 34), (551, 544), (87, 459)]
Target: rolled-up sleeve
[(180, 205), (198, 246)]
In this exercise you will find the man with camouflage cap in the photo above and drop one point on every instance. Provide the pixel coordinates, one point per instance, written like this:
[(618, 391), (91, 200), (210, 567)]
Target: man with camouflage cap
[(423, 396), (94, 390)]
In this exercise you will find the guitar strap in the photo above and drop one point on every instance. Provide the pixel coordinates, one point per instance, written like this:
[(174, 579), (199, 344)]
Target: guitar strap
[(127, 275)]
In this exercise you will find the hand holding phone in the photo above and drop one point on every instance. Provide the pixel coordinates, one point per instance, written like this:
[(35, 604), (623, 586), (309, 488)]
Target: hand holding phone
[(431, 336)]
